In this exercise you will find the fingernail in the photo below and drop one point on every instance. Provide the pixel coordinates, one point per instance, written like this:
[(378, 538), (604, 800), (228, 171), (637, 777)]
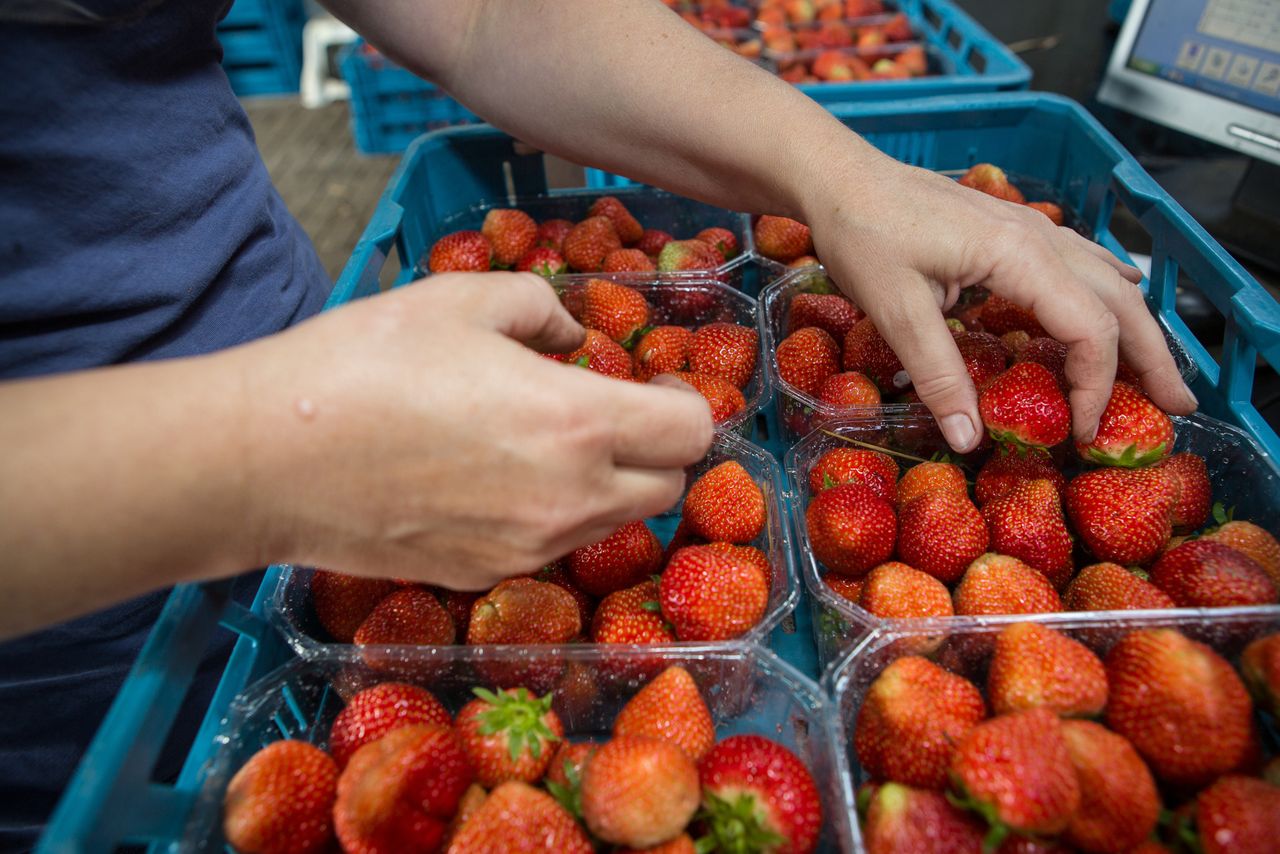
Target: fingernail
[(959, 432), (1191, 396)]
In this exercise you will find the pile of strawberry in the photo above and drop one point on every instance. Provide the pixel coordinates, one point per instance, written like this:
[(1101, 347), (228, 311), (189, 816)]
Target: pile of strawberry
[(608, 240), (403, 775), (1072, 752), (710, 584)]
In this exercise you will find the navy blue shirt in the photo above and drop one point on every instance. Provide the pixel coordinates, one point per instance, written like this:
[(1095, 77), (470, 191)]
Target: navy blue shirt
[(137, 221)]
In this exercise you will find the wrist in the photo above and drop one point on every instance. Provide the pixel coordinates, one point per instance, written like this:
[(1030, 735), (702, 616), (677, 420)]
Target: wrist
[(838, 173)]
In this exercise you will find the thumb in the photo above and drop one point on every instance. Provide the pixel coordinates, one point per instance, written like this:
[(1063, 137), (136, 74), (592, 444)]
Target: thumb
[(524, 307)]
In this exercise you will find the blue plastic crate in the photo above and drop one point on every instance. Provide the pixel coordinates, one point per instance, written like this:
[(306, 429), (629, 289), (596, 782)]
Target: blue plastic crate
[(262, 46)]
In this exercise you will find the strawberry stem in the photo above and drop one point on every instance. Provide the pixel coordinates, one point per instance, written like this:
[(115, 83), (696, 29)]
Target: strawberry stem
[(892, 452)]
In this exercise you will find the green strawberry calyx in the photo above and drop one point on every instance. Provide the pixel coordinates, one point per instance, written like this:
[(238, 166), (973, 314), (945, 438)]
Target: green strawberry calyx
[(1130, 457), (570, 796), (997, 831), (736, 824), (518, 715)]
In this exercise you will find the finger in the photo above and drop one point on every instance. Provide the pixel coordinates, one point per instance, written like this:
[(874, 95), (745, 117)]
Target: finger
[(656, 426), (524, 306), (1073, 238), (638, 493)]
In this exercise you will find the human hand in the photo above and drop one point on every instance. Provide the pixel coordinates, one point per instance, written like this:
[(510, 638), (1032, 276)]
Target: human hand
[(414, 434)]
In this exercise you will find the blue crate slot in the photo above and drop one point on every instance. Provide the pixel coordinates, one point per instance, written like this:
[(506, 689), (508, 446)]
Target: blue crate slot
[(262, 46)]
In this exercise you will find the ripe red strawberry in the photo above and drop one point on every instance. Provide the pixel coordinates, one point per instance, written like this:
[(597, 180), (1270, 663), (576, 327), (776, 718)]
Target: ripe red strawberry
[(400, 792), (678, 255), (1260, 667), (670, 708), (623, 559), (343, 602), (851, 529), (1027, 523), (1000, 316), (856, 465), (931, 477), (725, 350), (511, 233), (1024, 407), (652, 241), (557, 573), (1132, 432), (747, 554), (1003, 471), (866, 351), (1123, 515), (461, 252), (991, 179), (849, 390), (941, 533), (516, 818), (1049, 209), (639, 791), (524, 611), (510, 735), (1110, 587), (569, 762), (458, 603), (804, 261), (1190, 478), (1205, 574), (831, 313), (757, 796), (552, 233), (631, 616), (914, 715), (1238, 815), (544, 261), (375, 711), (903, 820), (722, 396), (629, 230), (897, 591), (983, 354), (1016, 770), (1037, 666), (627, 261), (601, 354), (849, 589), (661, 350), (724, 241), (1253, 541), (707, 595), (281, 801), (1052, 354), (616, 310), (590, 241), (725, 504), (1179, 703), (1119, 804), (781, 239), (409, 616), (806, 358), (997, 584)]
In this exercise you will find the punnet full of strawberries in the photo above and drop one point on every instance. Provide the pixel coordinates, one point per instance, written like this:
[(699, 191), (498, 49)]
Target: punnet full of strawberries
[(399, 774), (1092, 740)]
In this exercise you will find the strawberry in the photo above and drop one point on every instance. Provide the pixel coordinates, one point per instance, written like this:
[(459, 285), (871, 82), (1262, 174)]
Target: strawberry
[(458, 603), (898, 29), (849, 589), (661, 350), (706, 595), (913, 716), (724, 241), (1119, 804), (601, 354), (897, 591), (806, 358), (678, 255), (1110, 587), (670, 708), (472, 799), (1000, 316), (849, 390), (856, 465), (616, 310), (1036, 666), (1179, 703), (552, 232), (639, 791), (1049, 209), (1238, 815), (1132, 432), (1003, 471), (399, 793), (941, 533), (725, 350), (1015, 342), (990, 179), (804, 261), (511, 233), (557, 573), (725, 504), (1123, 515), (722, 396), (652, 241), (913, 61), (997, 584), (757, 796), (1024, 407), (544, 261), (1050, 353), (343, 602), (746, 554), (851, 529), (631, 616), (931, 477), (682, 844), (281, 801), (516, 818), (509, 735), (589, 243), (1190, 478), (408, 616), (1027, 523), (866, 351), (1260, 667), (629, 230), (903, 820), (831, 313), (375, 711), (524, 611), (623, 559), (627, 261), (461, 252), (1251, 540), (1205, 574), (781, 239), (568, 764), (1016, 771), (983, 354)]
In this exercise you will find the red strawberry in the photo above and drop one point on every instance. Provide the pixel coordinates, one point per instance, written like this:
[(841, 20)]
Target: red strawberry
[(1024, 407), (557, 573), (866, 351), (1004, 471), (462, 252), (1049, 209), (897, 591), (746, 554), (1190, 478), (996, 584), (724, 241), (1000, 316), (849, 589), (991, 179), (1016, 770), (757, 796), (725, 504), (552, 233), (627, 261), (281, 801), (1050, 353), (1027, 523), (856, 465), (1119, 804), (914, 715), (1205, 574), (400, 792), (1179, 703), (724, 397), (806, 358), (804, 261), (408, 616), (590, 241), (682, 844), (1036, 666), (544, 261), (458, 603), (661, 350), (629, 230), (849, 390), (1123, 515), (616, 310), (670, 708), (516, 818), (1260, 667), (898, 29), (1238, 815), (725, 350), (509, 735), (851, 529), (903, 820), (708, 596), (601, 354), (343, 602), (679, 255), (652, 241), (931, 477), (511, 233), (375, 711), (781, 239), (831, 313), (524, 611), (631, 616), (1110, 587), (568, 764), (1253, 541), (1132, 432), (623, 559), (941, 533), (983, 354), (639, 791)]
